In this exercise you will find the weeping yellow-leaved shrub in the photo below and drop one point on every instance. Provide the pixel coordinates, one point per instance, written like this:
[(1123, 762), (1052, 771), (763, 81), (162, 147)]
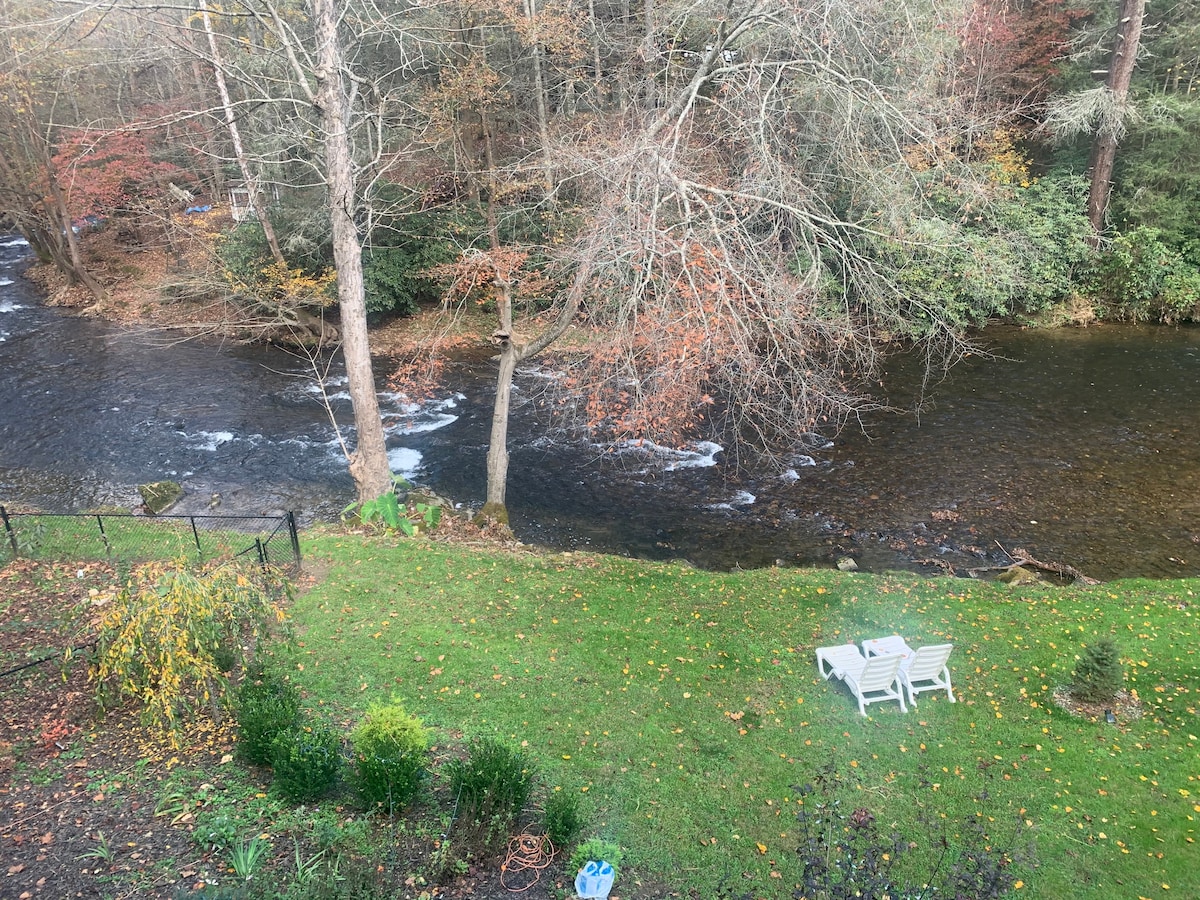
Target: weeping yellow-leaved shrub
[(174, 633)]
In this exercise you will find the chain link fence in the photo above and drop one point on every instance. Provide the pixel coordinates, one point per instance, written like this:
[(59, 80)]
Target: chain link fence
[(267, 540), (127, 538)]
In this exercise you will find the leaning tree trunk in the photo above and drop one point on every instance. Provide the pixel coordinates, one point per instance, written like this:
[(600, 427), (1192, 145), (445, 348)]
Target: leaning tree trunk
[(368, 463), (511, 353), (235, 135), (1120, 73), (76, 269)]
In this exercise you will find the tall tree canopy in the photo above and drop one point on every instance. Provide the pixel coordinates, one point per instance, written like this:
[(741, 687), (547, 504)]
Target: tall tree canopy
[(747, 202)]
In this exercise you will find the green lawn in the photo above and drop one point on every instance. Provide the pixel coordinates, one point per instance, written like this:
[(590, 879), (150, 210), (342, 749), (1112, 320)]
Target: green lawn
[(686, 706)]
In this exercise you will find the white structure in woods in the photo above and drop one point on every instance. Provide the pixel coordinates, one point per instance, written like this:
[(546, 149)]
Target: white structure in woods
[(240, 206)]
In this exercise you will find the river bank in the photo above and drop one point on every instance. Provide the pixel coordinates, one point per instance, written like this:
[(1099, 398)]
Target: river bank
[(150, 285)]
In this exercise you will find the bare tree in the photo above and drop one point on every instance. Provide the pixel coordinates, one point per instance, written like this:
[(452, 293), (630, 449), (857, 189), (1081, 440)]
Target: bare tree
[(260, 212), (369, 463), (728, 231)]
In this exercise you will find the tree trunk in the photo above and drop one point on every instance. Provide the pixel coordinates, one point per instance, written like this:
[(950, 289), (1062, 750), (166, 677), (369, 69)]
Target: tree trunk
[(539, 89), (235, 136), (494, 506), (511, 353), (598, 101), (77, 270), (368, 462), (1120, 73)]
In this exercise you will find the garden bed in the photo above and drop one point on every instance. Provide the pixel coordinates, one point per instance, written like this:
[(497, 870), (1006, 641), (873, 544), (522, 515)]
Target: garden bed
[(102, 806)]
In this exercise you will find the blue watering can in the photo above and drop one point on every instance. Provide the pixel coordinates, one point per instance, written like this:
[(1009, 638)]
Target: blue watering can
[(594, 880)]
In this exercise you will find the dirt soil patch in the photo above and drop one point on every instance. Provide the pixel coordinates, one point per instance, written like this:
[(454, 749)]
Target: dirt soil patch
[(98, 806)]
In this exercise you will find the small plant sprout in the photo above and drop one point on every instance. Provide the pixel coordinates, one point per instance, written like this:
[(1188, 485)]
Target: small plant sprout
[(247, 856), (103, 850)]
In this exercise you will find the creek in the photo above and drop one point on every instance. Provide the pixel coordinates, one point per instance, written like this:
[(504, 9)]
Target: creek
[(1080, 446)]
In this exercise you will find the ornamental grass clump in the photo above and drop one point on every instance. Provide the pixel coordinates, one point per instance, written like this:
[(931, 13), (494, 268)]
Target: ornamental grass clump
[(390, 752), (1098, 675)]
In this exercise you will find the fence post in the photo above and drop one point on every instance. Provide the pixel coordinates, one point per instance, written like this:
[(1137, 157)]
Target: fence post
[(196, 537), (12, 535), (262, 552), (103, 536), (291, 519)]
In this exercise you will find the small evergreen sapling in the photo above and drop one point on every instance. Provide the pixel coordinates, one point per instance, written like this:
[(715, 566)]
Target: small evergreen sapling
[(1098, 675)]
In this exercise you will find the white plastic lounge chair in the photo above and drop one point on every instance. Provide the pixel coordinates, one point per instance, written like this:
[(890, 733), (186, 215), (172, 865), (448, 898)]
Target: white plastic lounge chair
[(871, 679), (923, 669), (926, 670), (834, 660), (891, 644)]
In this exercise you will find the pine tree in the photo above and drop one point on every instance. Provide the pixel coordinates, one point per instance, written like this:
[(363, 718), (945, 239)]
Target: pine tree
[(1098, 674)]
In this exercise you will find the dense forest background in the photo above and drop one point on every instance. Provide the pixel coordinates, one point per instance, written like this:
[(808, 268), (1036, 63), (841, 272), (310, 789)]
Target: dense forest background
[(746, 203)]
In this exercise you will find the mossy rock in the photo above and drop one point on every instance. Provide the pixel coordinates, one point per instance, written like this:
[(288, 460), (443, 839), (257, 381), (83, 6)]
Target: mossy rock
[(159, 496), (1019, 576)]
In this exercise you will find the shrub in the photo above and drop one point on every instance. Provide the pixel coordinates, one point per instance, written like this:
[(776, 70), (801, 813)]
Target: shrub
[(390, 749), (392, 282), (266, 706), (1142, 278), (161, 638), (307, 760), (494, 781), (562, 819), (1014, 250), (597, 849), (1098, 674)]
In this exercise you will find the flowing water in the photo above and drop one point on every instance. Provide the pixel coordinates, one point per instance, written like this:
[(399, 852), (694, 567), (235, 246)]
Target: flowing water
[(1079, 446)]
